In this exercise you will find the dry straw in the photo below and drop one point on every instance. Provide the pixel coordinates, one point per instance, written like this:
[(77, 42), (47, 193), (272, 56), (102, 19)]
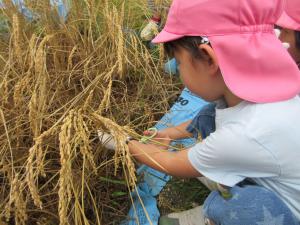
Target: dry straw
[(60, 83)]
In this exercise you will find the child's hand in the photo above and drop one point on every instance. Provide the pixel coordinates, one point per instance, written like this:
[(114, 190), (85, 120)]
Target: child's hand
[(161, 139)]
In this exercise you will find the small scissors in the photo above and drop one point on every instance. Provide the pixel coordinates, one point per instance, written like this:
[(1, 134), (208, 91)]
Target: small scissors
[(145, 139)]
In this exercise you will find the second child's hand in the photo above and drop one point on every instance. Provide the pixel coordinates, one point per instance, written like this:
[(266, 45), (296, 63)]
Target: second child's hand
[(158, 138)]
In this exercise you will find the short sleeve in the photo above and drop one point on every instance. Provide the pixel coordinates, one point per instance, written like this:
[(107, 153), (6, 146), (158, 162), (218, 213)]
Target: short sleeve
[(228, 156), (204, 122)]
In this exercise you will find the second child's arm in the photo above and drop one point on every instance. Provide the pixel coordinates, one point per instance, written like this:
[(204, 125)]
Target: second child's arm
[(173, 163), (174, 133), (164, 137), (178, 132)]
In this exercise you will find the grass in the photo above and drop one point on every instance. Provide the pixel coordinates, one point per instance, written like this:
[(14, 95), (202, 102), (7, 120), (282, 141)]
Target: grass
[(181, 194)]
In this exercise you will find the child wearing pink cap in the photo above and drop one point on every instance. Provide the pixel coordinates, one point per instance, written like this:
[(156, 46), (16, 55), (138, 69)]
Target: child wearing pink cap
[(290, 32), (227, 52)]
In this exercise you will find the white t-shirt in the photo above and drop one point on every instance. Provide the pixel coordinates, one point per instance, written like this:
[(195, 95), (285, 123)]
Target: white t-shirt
[(257, 141)]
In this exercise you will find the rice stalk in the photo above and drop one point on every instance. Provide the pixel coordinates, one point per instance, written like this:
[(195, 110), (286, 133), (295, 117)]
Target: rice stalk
[(17, 37), (122, 151), (65, 178), (17, 201), (61, 82)]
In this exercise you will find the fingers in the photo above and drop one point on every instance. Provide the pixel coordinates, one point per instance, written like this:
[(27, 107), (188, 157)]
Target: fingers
[(148, 132)]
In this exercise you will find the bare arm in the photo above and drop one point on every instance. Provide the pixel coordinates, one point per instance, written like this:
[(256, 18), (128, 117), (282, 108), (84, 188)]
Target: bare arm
[(178, 132), (173, 163)]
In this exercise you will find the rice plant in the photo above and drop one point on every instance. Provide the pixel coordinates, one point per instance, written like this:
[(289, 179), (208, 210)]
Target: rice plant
[(60, 82)]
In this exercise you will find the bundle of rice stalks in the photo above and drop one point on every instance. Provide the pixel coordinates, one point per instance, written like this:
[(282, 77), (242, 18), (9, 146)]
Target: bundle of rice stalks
[(60, 82)]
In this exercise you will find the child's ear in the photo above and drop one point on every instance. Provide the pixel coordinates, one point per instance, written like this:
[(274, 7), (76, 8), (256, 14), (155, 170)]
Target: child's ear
[(211, 56)]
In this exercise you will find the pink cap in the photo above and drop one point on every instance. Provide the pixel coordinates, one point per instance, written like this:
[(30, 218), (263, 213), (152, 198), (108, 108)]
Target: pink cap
[(290, 18), (253, 62)]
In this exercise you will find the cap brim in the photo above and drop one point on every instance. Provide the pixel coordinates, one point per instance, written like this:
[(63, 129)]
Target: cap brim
[(287, 22), (165, 36), (264, 73)]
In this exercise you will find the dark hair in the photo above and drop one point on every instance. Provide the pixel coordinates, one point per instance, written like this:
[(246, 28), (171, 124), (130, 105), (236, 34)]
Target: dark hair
[(190, 43), (297, 35)]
